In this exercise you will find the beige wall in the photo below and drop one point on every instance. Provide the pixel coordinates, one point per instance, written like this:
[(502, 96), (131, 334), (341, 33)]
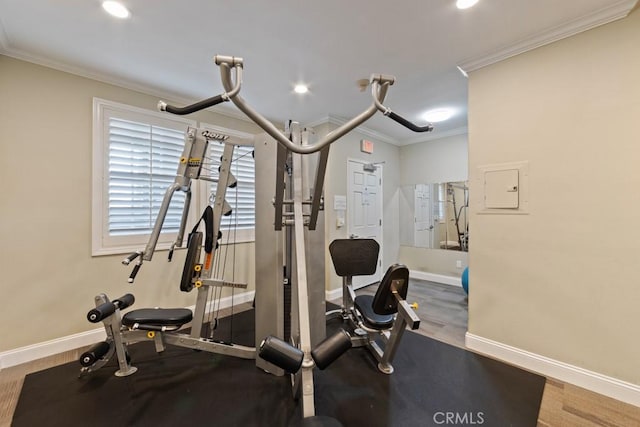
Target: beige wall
[(562, 282), (439, 160), (49, 278)]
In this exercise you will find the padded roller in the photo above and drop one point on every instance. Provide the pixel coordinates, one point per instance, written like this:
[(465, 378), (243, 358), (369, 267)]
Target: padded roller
[(101, 312), (124, 301), (95, 353), (331, 348), (281, 354)]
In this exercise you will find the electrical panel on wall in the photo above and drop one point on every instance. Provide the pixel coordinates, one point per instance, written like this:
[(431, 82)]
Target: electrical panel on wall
[(504, 188), (501, 189)]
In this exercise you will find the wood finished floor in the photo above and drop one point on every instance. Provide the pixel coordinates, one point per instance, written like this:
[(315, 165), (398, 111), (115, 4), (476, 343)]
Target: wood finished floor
[(443, 313)]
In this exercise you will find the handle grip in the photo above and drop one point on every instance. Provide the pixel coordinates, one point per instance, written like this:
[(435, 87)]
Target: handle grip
[(406, 123), (200, 105), (131, 257), (134, 273)]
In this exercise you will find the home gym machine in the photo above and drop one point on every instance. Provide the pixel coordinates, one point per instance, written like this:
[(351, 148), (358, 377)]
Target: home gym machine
[(297, 203), (161, 324)]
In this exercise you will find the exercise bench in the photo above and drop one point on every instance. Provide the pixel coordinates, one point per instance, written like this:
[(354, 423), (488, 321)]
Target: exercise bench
[(376, 321)]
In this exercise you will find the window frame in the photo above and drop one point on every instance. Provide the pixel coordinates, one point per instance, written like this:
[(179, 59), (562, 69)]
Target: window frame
[(101, 242)]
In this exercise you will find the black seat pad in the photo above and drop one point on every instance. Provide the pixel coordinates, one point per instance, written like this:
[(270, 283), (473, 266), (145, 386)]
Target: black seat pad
[(364, 304), (158, 316)]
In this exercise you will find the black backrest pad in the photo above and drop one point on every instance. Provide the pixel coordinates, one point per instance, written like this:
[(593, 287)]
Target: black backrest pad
[(395, 279), (193, 251), (354, 257)]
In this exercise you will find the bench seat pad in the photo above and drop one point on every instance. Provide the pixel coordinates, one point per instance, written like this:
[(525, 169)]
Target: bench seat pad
[(364, 304), (158, 316)]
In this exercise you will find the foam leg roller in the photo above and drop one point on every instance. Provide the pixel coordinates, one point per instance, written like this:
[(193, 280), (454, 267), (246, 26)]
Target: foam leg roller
[(281, 354), (95, 353), (331, 348), (101, 312), (124, 301)]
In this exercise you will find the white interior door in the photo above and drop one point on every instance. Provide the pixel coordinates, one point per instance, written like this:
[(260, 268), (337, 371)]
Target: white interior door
[(364, 211), (423, 223)]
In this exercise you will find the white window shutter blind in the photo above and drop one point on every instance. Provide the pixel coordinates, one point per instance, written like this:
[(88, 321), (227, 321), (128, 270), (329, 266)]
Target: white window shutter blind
[(143, 160), (241, 198)]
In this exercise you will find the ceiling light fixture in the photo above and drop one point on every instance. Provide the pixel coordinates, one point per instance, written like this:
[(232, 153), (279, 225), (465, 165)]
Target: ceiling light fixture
[(300, 88), (116, 9), (465, 4), (438, 115)]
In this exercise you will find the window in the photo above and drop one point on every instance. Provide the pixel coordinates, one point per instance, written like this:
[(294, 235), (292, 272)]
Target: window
[(442, 203), (142, 164), (241, 198), (136, 156)]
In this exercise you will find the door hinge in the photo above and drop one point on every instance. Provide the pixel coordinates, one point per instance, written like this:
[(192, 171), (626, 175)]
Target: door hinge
[(380, 222)]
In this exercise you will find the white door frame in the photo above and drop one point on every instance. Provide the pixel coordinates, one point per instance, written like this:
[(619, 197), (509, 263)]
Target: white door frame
[(366, 279)]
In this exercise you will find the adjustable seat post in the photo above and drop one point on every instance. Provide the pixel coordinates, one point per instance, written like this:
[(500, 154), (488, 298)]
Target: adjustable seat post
[(347, 297)]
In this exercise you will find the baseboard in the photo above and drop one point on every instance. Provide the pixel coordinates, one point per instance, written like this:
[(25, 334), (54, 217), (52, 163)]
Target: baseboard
[(593, 381), (433, 277), (71, 342), (49, 348), (414, 274)]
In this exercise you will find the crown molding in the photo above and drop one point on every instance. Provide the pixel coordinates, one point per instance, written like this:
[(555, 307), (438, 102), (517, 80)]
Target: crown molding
[(586, 22), (101, 77), (338, 121), (5, 49), (433, 136), (318, 122)]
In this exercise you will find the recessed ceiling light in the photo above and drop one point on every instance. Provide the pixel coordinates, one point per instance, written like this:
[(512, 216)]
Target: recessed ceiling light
[(438, 115), (301, 88), (465, 4), (116, 9)]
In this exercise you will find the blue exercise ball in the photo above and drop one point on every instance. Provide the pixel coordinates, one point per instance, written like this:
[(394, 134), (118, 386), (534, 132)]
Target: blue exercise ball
[(465, 280)]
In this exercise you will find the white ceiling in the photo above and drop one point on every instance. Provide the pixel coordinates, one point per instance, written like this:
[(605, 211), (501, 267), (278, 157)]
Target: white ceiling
[(166, 48)]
